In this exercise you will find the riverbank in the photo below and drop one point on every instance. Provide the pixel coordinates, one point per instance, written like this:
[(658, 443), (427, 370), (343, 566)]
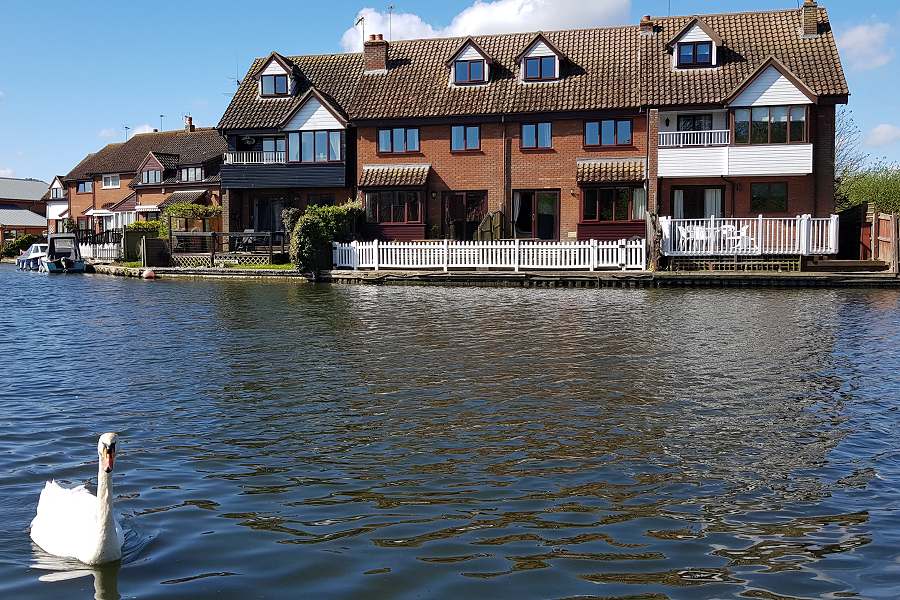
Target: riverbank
[(534, 279)]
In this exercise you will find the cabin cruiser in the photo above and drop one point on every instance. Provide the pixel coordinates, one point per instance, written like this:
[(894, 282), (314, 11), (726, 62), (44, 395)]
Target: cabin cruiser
[(30, 260), (63, 254)]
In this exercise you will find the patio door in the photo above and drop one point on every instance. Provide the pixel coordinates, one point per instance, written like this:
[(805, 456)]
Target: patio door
[(697, 203), (267, 214), (535, 214), (463, 212)]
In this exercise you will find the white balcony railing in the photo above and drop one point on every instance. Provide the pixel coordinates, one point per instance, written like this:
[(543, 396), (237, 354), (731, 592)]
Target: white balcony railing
[(802, 235), (254, 157), (676, 139)]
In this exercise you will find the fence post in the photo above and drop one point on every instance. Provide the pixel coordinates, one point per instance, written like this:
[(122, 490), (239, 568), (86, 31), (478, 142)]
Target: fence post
[(759, 234), (377, 254), (593, 258), (516, 260), (354, 255), (623, 253), (446, 254), (895, 245), (271, 241), (833, 237), (212, 250), (804, 232)]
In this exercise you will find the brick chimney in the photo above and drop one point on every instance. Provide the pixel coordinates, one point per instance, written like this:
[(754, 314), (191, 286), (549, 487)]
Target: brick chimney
[(646, 25), (810, 17), (189, 123), (375, 50)]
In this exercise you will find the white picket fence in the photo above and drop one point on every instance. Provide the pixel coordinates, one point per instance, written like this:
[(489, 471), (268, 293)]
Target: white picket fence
[(100, 252), (504, 254), (802, 235)]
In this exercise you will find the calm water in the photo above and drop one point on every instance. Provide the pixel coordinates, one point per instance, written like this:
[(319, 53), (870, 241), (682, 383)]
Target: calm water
[(279, 440)]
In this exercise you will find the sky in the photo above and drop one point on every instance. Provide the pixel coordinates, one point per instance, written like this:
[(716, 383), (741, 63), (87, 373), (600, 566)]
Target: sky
[(73, 75)]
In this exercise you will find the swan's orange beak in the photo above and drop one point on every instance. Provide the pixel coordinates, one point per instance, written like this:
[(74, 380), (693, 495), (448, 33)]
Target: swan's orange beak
[(109, 459)]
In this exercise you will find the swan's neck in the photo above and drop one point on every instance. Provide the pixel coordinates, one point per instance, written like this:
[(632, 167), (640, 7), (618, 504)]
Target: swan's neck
[(104, 503)]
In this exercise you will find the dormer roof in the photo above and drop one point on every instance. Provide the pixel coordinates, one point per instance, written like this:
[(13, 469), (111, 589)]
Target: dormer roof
[(540, 37), (703, 25), (288, 66), (466, 43)]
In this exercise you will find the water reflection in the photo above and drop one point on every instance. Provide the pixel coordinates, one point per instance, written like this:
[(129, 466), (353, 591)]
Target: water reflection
[(106, 577)]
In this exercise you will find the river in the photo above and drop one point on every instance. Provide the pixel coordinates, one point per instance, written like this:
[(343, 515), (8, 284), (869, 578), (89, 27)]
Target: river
[(280, 439)]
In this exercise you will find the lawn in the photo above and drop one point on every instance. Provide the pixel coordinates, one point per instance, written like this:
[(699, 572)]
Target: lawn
[(284, 267)]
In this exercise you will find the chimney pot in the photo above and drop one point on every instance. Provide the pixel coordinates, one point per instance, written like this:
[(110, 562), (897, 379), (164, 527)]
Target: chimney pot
[(380, 37), (188, 123), (809, 18), (371, 37), (646, 26)]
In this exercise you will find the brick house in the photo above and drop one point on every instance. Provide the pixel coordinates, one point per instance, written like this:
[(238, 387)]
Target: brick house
[(572, 134)]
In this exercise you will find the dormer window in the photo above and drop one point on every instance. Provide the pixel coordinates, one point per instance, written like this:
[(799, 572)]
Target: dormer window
[(274, 85), (695, 54), (152, 176), (540, 68), (191, 174), (466, 72)]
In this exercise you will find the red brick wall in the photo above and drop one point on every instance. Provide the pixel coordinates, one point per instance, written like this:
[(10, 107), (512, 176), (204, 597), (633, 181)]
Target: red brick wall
[(552, 169), (736, 198)]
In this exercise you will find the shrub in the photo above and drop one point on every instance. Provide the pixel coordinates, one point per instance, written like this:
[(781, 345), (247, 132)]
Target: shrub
[(879, 185), (155, 228), (317, 228), (188, 210), (289, 218), (14, 247)]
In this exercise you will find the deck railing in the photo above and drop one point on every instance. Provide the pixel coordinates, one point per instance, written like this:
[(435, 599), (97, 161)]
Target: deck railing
[(501, 254), (254, 157), (802, 235), (675, 139)]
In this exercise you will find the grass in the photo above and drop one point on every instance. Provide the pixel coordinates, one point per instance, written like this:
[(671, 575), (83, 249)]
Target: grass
[(135, 264), (284, 267)]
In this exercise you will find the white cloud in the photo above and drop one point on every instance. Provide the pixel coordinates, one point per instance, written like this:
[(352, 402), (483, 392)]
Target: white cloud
[(7, 173), (883, 135), (145, 128), (865, 46), (108, 132), (498, 16)]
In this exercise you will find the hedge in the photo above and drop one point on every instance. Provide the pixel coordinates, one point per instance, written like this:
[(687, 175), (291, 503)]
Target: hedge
[(153, 227), (317, 228), (14, 247)]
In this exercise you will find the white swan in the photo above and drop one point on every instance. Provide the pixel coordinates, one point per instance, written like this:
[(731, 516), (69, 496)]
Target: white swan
[(76, 524)]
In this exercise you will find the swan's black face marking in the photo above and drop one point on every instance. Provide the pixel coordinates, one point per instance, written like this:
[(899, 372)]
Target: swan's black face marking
[(109, 456)]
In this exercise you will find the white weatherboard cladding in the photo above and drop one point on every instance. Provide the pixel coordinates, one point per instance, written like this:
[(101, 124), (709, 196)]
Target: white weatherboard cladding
[(469, 53), (273, 68), (312, 116), (55, 209), (539, 48), (57, 184), (695, 34), (771, 159), (693, 162), (771, 88)]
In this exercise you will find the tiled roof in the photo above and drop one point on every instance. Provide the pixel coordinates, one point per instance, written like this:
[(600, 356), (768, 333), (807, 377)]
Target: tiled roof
[(605, 68), (126, 204), (607, 171), (16, 216), (192, 147), (394, 175), (182, 197), (22, 189)]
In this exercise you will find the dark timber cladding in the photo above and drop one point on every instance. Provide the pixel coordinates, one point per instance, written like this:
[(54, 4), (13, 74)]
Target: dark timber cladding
[(273, 176)]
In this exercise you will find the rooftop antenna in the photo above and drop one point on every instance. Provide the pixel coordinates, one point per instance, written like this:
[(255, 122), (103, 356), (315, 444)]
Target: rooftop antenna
[(670, 8), (161, 117), (363, 21), (126, 131), (390, 8)]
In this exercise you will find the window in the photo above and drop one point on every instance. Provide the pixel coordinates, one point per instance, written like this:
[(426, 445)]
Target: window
[(535, 214), (274, 85), (770, 125), (609, 132), (320, 199), (394, 206), (315, 146), (85, 187), (465, 137), (398, 140), (540, 68), (695, 54), (273, 149), (613, 204), (192, 174), (695, 122), (768, 197), (536, 135), (57, 193), (110, 181), (152, 176), (468, 71)]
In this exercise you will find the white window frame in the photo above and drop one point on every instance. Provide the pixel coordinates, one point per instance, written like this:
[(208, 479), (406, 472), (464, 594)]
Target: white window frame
[(191, 174), (109, 178)]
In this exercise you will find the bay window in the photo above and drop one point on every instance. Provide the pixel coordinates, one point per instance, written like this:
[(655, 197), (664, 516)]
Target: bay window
[(394, 206), (617, 203), (770, 125), (315, 146)]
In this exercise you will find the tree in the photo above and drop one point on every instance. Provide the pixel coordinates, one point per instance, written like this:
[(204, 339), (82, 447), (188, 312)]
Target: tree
[(879, 185), (849, 158)]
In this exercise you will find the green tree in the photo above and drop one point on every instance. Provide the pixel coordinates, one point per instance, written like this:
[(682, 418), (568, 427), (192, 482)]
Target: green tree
[(879, 185)]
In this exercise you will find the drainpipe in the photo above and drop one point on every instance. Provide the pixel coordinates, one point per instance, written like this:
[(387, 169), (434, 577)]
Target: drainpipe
[(506, 205)]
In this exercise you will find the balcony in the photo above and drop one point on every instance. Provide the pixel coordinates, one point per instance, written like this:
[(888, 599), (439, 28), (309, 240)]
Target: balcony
[(255, 157), (681, 139)]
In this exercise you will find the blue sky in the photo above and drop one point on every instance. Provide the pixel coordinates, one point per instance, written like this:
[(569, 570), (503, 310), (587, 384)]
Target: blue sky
[(73, 73)]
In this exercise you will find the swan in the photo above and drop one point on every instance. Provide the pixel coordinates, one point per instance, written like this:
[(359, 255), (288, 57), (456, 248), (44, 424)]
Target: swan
[(73, 523)]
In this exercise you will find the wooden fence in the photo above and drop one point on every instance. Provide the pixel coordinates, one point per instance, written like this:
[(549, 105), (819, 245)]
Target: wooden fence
[(886, 240), (502, 254)]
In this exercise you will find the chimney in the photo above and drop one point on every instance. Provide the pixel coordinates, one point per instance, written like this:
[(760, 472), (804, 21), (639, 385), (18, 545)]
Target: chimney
[(646, 25), (809, 17), (375, 50), (188, 123)]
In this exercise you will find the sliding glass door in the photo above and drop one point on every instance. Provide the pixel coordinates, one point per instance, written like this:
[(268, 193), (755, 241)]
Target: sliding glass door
[(535, 214)]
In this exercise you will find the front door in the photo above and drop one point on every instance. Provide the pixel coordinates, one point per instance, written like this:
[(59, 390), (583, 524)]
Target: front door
[(267, 214), (535, 214), (463, 212)]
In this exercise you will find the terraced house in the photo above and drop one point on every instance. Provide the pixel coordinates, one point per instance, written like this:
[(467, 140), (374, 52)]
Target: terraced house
[(573, 134)]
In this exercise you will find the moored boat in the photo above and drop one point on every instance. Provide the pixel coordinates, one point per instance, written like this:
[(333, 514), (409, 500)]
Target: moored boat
[(30, 260), (63, 255)]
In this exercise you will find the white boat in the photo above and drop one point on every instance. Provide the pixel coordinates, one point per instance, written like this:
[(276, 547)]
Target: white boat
[(63, 255), (30, 260)]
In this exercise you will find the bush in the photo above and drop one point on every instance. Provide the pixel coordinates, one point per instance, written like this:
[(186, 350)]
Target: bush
[(878, 185), (155, 228), (188, 210), (317, 228), (13, 248), (289, 218)]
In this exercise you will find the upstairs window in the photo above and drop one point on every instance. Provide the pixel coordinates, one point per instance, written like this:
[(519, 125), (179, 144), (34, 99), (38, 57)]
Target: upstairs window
[(273, 149), (540, 68), (465, 137), (537, 135), (192, 174), (770, 125), (274, 85), (609, 132), (695, 54), (57, 193), (468, 72), (110, 182), (315, 146), (85, 187), (398, 140), (152, 176)]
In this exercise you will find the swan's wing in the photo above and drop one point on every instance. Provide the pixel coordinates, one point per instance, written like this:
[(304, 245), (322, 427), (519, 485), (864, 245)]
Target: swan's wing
[(64, 519)]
